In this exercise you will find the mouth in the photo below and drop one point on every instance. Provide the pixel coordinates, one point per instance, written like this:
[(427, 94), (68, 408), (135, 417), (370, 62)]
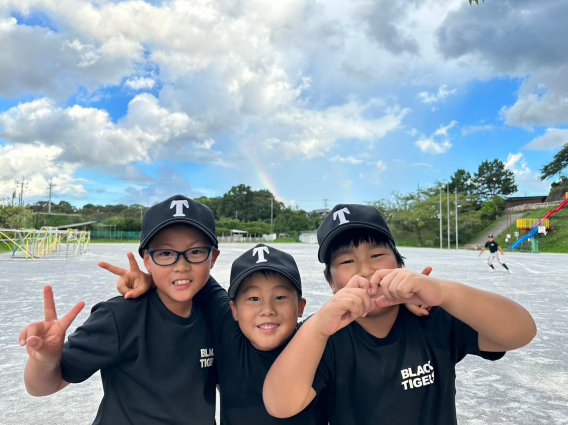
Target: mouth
[(268, 328), (181, 284)]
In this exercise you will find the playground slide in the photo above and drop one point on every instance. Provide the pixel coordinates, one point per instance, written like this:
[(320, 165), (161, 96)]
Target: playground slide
[(538, 223)]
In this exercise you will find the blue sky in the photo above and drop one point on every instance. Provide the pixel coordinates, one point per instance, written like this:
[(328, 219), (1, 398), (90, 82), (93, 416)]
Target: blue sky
[(134, 101)]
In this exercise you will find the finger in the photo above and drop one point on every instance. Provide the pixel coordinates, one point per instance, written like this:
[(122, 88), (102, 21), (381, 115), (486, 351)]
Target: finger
[(122, 286), (135, 293), (427, 271), (358, 282), (49, 311), (417, 310), (23, 336), (66, 320), (33, 329), (132, 262), (35, 343), (355, 302), (113, 269)]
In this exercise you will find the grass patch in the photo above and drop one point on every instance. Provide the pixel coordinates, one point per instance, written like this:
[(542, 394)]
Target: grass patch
[(5, 248), (556, 240), (115, 241)]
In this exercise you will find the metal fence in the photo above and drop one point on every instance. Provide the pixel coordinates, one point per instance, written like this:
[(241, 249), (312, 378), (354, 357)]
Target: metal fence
[(110, 234)]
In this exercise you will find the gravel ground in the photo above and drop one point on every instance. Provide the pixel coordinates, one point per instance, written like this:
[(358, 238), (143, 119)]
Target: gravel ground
[(529, 386)]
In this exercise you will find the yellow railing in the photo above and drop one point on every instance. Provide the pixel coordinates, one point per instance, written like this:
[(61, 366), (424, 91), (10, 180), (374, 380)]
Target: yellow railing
[(527, 223)]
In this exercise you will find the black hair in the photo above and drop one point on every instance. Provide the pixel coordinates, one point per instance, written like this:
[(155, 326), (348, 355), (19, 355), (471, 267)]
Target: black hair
[(356, 237), (267, 273)]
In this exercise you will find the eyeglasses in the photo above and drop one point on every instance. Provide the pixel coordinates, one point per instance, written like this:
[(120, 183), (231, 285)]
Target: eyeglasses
[(168, 257)]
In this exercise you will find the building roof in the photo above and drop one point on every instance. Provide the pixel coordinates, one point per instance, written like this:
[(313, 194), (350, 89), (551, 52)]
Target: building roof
[(240, 232), (70, 226)]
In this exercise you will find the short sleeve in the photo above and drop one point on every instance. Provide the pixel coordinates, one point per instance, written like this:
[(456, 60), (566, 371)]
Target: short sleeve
[(486, 244), (216, 305), (92, 346), (459, 338)]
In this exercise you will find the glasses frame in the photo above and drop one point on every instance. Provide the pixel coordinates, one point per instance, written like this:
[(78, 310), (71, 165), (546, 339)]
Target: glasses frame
[(179, 254)]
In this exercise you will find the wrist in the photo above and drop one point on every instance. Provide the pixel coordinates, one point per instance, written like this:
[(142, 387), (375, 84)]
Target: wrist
[(447, 291), (314, 330)]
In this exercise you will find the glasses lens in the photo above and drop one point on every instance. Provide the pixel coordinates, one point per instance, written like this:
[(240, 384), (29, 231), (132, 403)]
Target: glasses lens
[(198, 255), (165, 257)]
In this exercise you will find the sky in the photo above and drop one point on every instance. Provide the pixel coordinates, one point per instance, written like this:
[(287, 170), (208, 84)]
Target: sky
[(321, 102)]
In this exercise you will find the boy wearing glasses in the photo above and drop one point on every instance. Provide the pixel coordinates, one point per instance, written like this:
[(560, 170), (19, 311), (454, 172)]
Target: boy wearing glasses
[(155, 352)]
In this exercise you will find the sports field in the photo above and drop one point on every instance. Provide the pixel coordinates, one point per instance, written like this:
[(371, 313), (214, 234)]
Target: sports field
[(529, 386)]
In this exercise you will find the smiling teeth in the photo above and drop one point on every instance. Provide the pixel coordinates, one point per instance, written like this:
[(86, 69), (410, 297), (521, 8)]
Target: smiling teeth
[(181, 282), (268, 326)]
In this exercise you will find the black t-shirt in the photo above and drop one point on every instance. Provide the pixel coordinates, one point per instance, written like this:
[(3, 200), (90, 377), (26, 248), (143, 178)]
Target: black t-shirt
[(407, 378), (242, 369), (492, 246), (156, 367)]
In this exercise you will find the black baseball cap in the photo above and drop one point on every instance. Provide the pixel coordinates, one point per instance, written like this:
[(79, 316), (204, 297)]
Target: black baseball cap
[(263, 257), (174, 210), (490, 236), (348, 217)]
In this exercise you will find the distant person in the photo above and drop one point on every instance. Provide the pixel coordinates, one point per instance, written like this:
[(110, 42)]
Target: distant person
[(155, 352), (494, 250)]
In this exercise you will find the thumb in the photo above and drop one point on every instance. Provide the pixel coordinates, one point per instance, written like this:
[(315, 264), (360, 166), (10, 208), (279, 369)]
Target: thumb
[(35, 343), (136, 292), (427, 271)]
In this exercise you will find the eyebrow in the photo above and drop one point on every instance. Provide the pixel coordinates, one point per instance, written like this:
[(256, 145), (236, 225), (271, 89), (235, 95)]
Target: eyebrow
[(256, 287)]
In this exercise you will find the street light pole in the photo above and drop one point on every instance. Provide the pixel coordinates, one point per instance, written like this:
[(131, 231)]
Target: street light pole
[(456, 203), (441, 247), (271, 215), (448, 191)]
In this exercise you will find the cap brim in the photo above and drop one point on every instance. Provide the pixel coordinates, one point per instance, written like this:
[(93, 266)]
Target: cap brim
[(237, 281), (189, 222), (324, 245)]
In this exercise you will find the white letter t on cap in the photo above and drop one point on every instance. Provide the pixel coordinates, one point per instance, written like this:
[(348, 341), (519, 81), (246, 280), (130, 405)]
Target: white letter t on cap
[(341, 214), (260, 252), (179, 207)]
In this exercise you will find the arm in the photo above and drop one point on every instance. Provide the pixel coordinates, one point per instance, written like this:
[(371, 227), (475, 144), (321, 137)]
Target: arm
[(501, 323), (482, 251), (286, 394), (44, 344), (499, 246)]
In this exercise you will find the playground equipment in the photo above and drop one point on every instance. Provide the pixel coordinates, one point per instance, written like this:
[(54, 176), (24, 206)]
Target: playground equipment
[(31, 244), (532, 227)]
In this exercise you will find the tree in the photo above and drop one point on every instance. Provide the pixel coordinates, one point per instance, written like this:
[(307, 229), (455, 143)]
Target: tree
[(463, 181), (559, 163), (492, 178)]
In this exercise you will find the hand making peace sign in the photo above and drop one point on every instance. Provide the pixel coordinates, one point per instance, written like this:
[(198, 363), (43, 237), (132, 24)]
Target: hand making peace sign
[(44, 340), (132, 282)]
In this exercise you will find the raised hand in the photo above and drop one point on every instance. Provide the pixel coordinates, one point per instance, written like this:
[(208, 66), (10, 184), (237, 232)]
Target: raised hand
[(132, 282), (345, 306), (44, 340), (404, 286), (420, 309)]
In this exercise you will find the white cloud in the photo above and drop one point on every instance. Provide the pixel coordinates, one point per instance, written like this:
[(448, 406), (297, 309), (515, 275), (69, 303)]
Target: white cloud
[(348, 159), (526, 179), (471, 129), (442, 94), (140, 83), (439, 142), (550, 108), (378, 165), (553, 138)]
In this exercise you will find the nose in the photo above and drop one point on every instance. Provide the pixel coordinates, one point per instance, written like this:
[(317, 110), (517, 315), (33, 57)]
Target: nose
[(267, 308), (365, 270), (182, 265)]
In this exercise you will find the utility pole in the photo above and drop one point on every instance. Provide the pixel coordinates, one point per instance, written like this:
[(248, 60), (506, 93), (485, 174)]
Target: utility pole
[(50, 190), (21, 197), (441, 217), (236, 215), (325, 204), (141, 213), (456, 203), (271, 215), (448, 191)]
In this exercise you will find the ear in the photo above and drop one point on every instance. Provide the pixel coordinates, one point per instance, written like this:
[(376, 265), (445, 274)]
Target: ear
[(301, 307), (234, 310), (147, 262), (214, 256)]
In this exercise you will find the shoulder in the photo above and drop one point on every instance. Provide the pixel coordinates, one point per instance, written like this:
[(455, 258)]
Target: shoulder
[(123, 310)]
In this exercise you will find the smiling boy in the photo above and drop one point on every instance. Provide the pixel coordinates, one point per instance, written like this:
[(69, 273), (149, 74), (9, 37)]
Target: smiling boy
[(250, 325), (378, 362), (155, 353)]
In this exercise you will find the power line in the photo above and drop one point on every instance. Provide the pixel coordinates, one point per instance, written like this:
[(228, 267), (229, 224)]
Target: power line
[(51, 184), (21, 184)]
